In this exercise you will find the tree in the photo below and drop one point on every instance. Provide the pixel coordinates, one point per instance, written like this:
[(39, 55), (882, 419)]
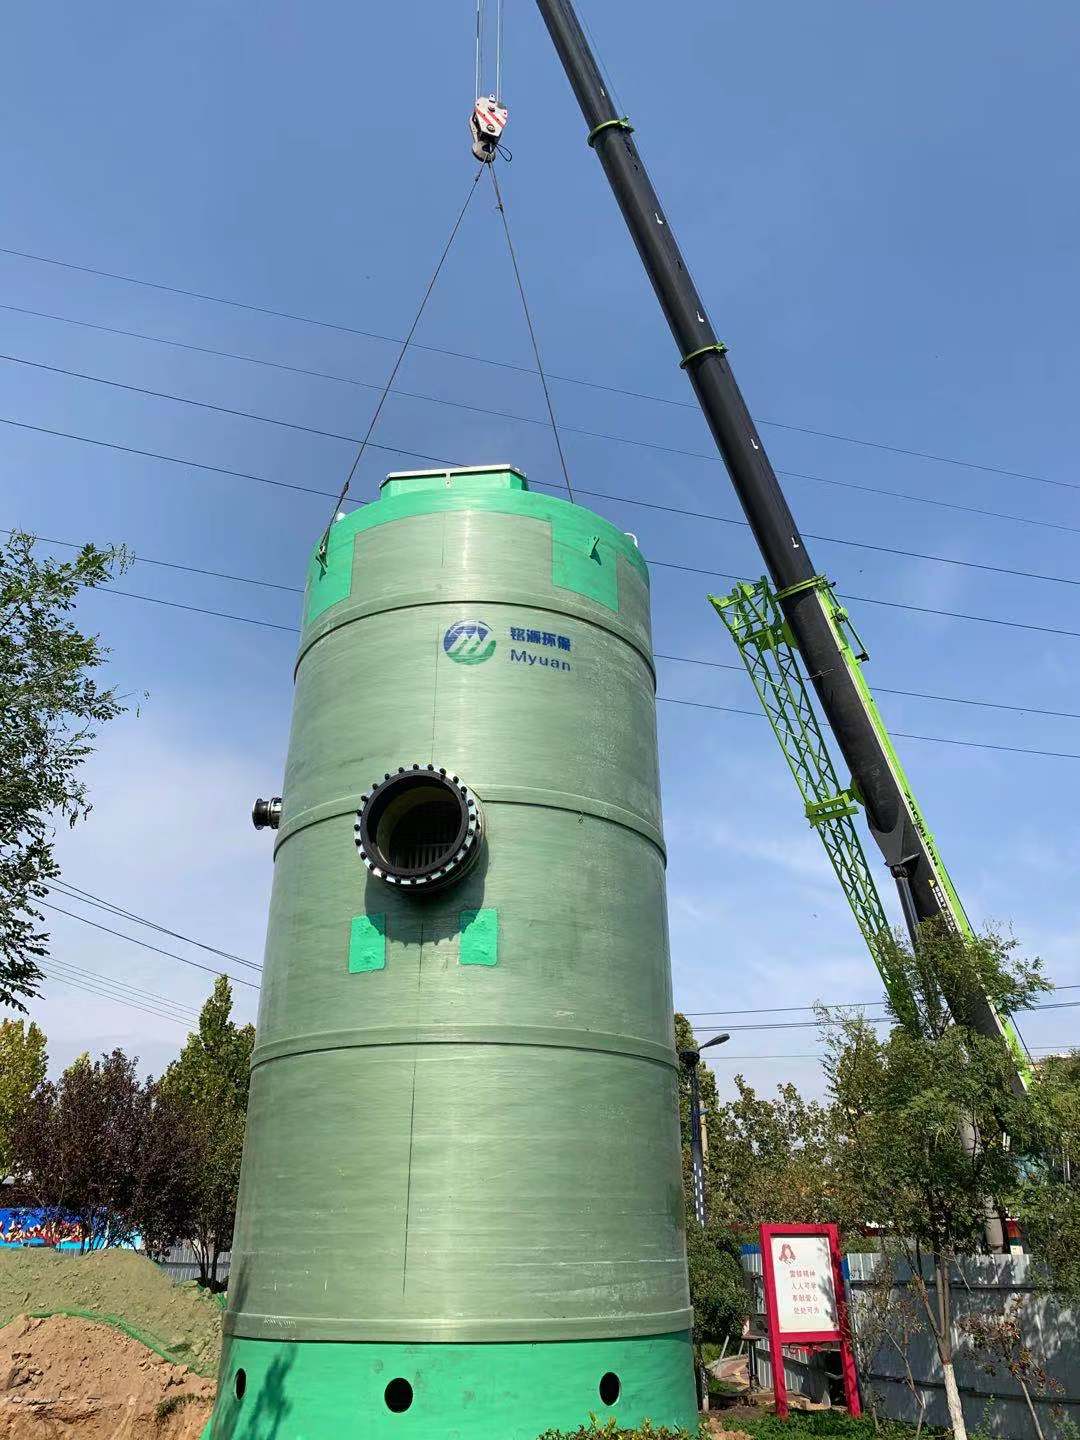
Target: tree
[(926, 1124), (49, 704), (999, 1342), (210, 1079), (23, 1063), (1049, 1203), (770, 1160), (718, 1285), (169, 1178), (78, 1144)]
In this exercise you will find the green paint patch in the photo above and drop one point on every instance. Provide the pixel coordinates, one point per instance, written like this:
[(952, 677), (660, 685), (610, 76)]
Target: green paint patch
[(367, 944), (584, 546), (479, 937), (329, 579), (585, 563)]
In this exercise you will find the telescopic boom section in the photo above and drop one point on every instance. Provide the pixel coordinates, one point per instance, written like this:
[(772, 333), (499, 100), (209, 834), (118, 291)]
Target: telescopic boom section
[(804, 595)]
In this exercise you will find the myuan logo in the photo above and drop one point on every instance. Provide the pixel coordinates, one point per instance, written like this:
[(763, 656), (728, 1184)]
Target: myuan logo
[(469, 642)]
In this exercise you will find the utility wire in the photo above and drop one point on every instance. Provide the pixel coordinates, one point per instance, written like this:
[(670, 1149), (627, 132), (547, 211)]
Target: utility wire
[(878, 689), (658, 655), (147, 946), (900, 734), (532, 332), (116, 1000), (662, 699), (69, 971), (365, 442), (827, 1005), (532, 420), (100, 903), (401, 356), (870, 1019), (443, 461), (198, 464), (506, 365)]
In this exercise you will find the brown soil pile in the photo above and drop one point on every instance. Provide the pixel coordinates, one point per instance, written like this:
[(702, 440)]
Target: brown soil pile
[(67, 1379), (184, 1319)]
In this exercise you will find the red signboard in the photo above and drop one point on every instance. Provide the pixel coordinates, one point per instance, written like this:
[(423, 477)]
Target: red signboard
[(805, 1301)]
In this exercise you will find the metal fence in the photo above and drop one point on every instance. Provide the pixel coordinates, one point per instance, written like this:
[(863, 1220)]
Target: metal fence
[(181, 1264), (985, 1284)]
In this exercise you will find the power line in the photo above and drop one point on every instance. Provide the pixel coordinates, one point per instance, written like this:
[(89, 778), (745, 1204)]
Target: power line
[(218, 409), (659, 564), (525, 369), (69, 970), (900, 734), (880, 689), (888, 604), (100, 903), (131, 1004), (146, 945), (870, 1019), (443, 460), (658, 655), (662, 699), (529, 420), (830, 1005)]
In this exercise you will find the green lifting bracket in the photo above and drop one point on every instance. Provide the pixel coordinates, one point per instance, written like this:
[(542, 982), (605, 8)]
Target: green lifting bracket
[(763, 638), (760, 632)]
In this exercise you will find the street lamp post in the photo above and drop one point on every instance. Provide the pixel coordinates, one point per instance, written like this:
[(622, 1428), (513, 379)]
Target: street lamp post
[(691, 1059)]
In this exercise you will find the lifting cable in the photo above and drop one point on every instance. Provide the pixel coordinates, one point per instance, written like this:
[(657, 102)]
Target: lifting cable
[(324, 542), (532, 333)]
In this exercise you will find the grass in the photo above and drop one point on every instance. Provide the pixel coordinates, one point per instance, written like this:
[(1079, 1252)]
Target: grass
[(171, 1405)]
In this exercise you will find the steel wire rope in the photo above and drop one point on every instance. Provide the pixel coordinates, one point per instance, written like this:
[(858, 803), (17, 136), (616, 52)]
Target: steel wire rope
[(398, 362), (712, 458), (657, 655), (532, 332), (524, 369)]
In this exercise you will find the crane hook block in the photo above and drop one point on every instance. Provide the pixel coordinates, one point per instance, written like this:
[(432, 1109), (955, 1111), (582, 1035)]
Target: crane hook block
[(486, 125)]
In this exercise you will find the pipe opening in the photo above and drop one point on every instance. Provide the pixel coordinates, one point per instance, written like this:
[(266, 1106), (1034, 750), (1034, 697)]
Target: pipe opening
[(419, 828)]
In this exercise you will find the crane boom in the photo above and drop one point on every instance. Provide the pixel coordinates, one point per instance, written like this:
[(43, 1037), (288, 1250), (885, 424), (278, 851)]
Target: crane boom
[(811, 613)]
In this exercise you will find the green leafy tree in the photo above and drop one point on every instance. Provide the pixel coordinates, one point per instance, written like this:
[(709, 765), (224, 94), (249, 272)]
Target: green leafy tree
[(23, 1063), (168, 1186), (771, 1160), (49, 706), (210, 1079), (925, 1122), (1050, 1196), (77, 1147)]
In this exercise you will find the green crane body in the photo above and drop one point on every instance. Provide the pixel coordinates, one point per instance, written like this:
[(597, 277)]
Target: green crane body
[(765, 644)]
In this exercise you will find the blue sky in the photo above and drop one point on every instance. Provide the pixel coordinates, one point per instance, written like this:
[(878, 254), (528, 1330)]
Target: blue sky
[(880, 205)]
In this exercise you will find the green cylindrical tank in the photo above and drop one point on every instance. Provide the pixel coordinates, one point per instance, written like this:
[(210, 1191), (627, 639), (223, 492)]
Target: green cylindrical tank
[(461, 1208)]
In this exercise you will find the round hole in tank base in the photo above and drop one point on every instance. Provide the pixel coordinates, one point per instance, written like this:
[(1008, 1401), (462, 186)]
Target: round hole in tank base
[(610, 1387), (398, 1396), (419, 829)]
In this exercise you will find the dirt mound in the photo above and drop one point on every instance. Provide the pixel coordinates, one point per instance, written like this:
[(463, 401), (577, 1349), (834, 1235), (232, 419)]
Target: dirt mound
[(67, 1379), (182, 1319)]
